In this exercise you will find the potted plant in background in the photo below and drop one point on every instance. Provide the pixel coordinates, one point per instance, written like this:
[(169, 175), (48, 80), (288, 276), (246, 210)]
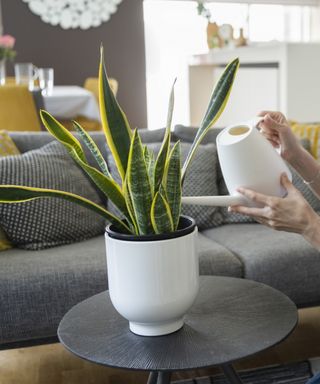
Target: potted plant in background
[(6, 52), (151, 257)]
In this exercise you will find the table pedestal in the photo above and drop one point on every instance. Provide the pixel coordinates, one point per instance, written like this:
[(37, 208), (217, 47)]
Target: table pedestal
[(164, 377)]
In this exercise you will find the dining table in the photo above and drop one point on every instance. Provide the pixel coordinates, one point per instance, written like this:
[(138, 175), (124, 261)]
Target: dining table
[(71, 101)]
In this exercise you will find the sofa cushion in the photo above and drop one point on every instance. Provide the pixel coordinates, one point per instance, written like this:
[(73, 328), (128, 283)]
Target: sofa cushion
[(200, 180), (215, 259), (44, 223), (282, 260), (39, 287)]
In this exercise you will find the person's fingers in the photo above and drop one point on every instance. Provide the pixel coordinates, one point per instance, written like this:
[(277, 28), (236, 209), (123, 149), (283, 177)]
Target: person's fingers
[(270, 123), (249, 211), (270, 136), (263, 113), (286, 183), (254, 196)]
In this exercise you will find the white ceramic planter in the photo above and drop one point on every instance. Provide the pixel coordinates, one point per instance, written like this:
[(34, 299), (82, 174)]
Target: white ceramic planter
[(154, 281)]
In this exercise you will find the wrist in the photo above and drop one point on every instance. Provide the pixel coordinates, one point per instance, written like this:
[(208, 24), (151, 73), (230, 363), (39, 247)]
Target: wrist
[(312, 231)]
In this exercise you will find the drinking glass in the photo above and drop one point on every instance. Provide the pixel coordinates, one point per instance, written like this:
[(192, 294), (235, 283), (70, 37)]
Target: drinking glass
[(26, 74), (46, 80)]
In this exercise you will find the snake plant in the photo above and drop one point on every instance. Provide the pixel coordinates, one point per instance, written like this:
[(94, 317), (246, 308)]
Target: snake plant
[(149, 196)]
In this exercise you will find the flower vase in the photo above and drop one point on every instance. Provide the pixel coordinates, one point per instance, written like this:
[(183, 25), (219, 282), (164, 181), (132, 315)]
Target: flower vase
[(2, 71)]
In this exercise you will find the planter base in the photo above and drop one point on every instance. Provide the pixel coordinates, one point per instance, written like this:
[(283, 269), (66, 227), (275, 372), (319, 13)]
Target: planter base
[(155, 329)]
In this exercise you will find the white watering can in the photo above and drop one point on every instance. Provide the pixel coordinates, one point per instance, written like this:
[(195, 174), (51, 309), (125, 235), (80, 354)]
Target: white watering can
[(248, 160)]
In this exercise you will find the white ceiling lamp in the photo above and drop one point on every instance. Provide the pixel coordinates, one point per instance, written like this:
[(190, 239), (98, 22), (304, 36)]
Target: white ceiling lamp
[(68, 14)]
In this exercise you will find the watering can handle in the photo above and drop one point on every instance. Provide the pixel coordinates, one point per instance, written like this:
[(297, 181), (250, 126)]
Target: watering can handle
[(256, 120), (217, 201)]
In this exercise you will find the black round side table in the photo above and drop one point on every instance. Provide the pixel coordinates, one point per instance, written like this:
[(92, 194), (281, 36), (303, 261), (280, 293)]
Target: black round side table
[(230, 319)]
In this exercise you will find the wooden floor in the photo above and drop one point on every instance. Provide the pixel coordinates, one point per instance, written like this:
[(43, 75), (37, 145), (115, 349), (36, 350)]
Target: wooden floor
[(52, 364)]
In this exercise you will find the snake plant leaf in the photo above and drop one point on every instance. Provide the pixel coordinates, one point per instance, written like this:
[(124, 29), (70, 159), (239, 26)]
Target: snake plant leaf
[(216, 106), (114, 122), (61, 133), (164, 150), (128, 199), (93, 148), (20, 194), (172, 183), (150, 162), (161, 215), (139, 186), (107, 185)]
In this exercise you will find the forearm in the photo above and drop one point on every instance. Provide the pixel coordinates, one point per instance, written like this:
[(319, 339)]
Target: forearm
[(312, 232), (308, 168)]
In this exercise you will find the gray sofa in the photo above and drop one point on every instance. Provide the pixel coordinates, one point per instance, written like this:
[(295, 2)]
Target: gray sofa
[(38, 287)]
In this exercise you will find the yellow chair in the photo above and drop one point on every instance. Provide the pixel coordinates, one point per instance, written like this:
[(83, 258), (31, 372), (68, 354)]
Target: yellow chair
[(17, 109), (92, 85), (10, 80), (309, 131), (87, 124)]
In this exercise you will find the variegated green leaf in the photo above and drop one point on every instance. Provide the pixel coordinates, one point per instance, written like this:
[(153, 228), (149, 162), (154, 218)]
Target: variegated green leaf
[(161, 215), (128, 199), (150, 161), (216, 106), (114, 121), (107, 185), (172, 183), (164, 150), (62, 134), (20, 194), (93, 148), (139, 186)]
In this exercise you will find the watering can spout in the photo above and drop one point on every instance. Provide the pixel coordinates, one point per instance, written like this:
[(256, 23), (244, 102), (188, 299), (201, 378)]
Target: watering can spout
[(217, 201)]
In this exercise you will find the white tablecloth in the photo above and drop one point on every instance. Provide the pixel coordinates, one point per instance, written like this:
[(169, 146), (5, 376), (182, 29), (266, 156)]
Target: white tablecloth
[(68, 102)]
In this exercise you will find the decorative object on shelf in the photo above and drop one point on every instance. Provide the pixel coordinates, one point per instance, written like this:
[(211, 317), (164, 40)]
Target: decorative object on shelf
[(6, 53), (203, 10), (226, 34), (214, 40), (148, 225), (68, 14), (241, 41)]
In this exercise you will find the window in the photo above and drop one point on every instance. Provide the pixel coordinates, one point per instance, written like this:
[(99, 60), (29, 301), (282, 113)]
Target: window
[(174, 31)]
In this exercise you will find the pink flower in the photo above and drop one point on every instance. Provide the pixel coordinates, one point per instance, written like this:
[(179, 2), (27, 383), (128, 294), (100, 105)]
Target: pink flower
[(7, 41)]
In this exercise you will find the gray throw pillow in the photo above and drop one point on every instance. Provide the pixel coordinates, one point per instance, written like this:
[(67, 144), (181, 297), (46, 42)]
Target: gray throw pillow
[(48, 222), (201, 180)]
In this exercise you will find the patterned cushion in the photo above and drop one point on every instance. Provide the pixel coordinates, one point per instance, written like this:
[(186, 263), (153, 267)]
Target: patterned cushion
[(7, 148), (45, 223), (200, 180)]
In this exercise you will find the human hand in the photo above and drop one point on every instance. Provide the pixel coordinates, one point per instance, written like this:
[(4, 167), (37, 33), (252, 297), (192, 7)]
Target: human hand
[(276, 129), (291, 213)]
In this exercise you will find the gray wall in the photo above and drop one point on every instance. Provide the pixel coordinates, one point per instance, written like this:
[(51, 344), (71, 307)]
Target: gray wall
[(74, 54)]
